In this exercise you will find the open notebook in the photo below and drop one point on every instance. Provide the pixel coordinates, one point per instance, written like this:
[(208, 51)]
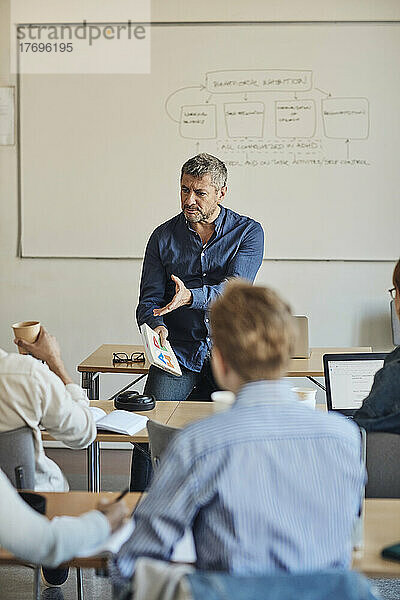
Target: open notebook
[(120, 421), (162, 357)]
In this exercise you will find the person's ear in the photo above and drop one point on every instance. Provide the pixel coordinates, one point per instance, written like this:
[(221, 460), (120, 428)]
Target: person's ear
[(222, 193)]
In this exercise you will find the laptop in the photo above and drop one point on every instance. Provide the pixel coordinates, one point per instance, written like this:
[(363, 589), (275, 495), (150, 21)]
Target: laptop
[(349, 378), (301, 348)]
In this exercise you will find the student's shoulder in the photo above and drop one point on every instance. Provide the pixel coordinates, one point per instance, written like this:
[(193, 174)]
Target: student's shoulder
[(19, 364), (336, 425), (23, 367), (388, 378), (393, 359)]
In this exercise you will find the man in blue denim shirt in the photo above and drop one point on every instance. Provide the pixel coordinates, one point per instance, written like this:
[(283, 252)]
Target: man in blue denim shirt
[(187, 262)]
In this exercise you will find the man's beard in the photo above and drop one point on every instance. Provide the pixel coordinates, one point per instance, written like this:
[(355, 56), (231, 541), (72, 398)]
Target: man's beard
[(200, 216)]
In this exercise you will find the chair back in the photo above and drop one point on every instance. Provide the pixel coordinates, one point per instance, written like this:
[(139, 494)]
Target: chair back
[(383, 459), (159, 438), (17, 457)]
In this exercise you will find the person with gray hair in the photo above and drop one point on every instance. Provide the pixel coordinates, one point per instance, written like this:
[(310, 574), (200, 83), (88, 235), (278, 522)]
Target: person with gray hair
[(187, 262)]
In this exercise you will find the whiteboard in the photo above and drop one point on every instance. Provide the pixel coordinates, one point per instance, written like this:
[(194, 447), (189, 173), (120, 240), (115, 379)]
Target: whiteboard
[(306, 116)]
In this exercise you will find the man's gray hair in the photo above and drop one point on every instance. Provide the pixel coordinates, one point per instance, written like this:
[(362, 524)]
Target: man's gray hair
[(206, 164)]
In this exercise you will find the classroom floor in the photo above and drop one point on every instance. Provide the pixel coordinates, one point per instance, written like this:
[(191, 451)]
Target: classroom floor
[(16, 583)]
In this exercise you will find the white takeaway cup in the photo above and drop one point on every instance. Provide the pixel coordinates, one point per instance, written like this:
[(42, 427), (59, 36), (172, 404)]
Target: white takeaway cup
[(222, 400), (305, 395)]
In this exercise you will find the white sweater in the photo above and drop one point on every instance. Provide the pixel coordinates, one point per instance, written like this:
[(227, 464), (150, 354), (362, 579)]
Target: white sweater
[(32, 537), (31, 394)]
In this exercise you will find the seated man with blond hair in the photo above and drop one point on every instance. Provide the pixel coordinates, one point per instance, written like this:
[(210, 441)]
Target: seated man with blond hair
[(268, 486)]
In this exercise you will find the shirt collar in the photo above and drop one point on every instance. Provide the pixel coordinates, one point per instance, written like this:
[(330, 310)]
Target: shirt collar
[(218, 220), (264, 392)]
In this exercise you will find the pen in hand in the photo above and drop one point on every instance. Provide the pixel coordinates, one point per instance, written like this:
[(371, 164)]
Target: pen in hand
[(122, 494)]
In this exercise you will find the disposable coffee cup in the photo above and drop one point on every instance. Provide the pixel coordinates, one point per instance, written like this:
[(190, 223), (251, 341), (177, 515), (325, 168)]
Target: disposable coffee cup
[(305, 395), (27, 331), (222, 400)]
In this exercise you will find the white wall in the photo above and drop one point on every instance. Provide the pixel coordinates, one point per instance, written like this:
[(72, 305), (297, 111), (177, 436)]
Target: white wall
[(89, 302)]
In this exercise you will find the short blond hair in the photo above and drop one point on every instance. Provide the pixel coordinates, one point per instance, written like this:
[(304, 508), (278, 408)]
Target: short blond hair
[(253, 329)]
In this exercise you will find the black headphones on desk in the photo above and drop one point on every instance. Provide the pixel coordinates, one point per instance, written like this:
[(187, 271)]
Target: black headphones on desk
[(133, 401)]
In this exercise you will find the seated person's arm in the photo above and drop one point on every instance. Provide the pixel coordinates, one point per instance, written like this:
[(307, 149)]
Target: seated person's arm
[(60, 405), (32, 537)]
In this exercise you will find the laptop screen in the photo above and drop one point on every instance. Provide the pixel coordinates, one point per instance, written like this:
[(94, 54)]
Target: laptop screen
[(349, 379)]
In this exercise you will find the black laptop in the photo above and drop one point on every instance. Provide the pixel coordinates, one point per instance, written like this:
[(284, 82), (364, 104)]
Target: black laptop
[(349, 378)]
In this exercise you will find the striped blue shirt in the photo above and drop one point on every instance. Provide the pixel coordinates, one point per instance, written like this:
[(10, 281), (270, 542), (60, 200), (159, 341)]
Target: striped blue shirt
[(269, 485)]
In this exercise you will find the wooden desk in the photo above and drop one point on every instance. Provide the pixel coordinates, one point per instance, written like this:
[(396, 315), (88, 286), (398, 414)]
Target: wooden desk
[(381, 528), (314, 366), (74, 504), (100, 361), (71, 504), (161, 413), (188, 412)]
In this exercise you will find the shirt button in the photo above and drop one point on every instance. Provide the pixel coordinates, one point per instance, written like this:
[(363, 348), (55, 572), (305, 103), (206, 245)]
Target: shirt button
[(208, 339), (207, 320), (204, 274), (202, 254)]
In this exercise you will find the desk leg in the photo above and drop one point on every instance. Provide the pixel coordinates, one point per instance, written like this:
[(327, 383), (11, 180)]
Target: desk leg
[(36, 583), (90, 382), (93, 467), (79, 583)]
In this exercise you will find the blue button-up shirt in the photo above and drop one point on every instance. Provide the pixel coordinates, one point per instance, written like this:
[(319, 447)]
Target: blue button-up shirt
[(269, 485), (234, 250)]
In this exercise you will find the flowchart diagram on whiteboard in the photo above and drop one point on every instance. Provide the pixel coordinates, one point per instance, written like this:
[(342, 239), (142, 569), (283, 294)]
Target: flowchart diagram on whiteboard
[(271, 117)]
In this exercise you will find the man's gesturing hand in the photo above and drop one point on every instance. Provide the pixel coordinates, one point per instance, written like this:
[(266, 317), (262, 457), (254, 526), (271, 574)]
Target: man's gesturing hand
[(182, 297)]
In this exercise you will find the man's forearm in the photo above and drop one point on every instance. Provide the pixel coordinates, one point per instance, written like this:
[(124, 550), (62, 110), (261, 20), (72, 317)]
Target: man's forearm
[(59, 369), (144, 314)]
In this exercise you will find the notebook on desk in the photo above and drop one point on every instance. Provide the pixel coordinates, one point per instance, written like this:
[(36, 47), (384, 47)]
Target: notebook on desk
[(349, 378), (118, 421)]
